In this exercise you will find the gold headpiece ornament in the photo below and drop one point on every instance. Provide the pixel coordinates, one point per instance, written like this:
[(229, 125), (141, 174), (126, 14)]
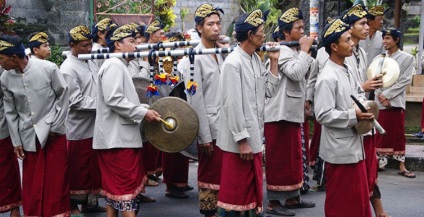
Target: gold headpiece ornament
[(105, 24), (4, 45), (41, 37), (154, 26), (356, 10), (377, 10), (205, 10), (178, 37), (277, 29), (290, 15), (336, 26), (80, 33), (123, 32), (255, 18)]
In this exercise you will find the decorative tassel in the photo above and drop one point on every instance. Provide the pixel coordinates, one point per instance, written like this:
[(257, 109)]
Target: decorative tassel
[(160, 79), (173, 79), (191, 87), (152, 90)]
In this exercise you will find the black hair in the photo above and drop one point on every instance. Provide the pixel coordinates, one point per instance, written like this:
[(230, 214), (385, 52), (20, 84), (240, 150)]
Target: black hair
[(287, 28), (243, 36)]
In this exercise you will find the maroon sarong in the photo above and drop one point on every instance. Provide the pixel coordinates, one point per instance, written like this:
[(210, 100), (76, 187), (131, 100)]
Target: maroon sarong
[(422, 115), (306, 138), (315, 141), (371, 163), (283, 156), (209, 170), (175, 169), (84, 171), (122, 173), (10, 181), (347, 190), (45, 183), (151, 158), (394, 141), (241, 183)]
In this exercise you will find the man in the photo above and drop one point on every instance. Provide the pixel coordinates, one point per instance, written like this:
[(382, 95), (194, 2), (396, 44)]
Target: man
[(356, 17), (283, 118), (243, 86), (391, 101), (81, 76), (100, 32), (206, 104), (39, 45), (10, 183), (373, 44), (341, 146), (119, 110), (154, 32), (35, 104)]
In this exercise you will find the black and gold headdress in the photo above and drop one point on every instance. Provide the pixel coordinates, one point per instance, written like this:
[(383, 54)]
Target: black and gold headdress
[(154, 26), (124, 31), (206, 10), (250, 21), (37, 39), (80, 33), (333, 31), (290, 16), (377, 10), (354, 14)]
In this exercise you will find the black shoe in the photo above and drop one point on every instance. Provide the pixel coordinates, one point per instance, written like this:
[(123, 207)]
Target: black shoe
[(176, 194)]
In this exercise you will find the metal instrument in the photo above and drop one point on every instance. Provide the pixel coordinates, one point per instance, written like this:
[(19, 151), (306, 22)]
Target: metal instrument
[(365, 126), (184, 129), (386, 66), (141, 87)]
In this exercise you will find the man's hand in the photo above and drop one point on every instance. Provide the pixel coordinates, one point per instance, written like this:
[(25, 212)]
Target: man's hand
[(308, 111), (273, 55), (384, 101), (223, 45), (19, 151), (364, 116), (306, 43), (152, 115), (206, 148), (246, 152), (373, 83)]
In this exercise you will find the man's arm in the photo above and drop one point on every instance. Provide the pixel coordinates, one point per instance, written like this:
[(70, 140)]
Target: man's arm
[(61, 104)]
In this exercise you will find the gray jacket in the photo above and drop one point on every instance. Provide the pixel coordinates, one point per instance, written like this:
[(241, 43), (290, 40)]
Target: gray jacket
[(35, 103), (243, 86), (4, 130), (340, 143), (119, 112)]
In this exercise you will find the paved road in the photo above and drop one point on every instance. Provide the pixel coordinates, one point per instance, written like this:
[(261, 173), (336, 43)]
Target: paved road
[(402, 197)]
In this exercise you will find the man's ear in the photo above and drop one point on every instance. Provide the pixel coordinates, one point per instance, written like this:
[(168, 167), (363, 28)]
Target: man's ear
[(117, 45), (334, 46)]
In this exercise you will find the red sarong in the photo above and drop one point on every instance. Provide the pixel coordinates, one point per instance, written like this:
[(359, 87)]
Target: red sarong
[(306, 138), (175, 169), (151, 158), (394, 141), (283, 156), (241, 183), (84, 171), (371, 162), (315, 141), (122, 173), (209, 170), (10, 181), (422, 115), (45, 183), (347, 190)]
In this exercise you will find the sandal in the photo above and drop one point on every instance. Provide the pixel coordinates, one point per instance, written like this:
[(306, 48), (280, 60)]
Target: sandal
[(151, 183), (279, 210), (176, 194), (407, 174), (146, 199), (300, 205)]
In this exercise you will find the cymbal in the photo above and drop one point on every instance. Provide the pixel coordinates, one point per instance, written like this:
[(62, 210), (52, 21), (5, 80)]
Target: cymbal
[(390, 69), (365, 126), (181, 116), (141, 85)]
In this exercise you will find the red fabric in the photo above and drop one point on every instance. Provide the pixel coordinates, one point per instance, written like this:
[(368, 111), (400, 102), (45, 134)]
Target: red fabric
[(45, 183), (84, 171), (394, 142), (241, 182), (10, 181), (346, 190), (122, 173), (316, 137), (306, 137), (283, 156), (371, 162), (209, 170), (175, 169), (151, 158), (422, 115)]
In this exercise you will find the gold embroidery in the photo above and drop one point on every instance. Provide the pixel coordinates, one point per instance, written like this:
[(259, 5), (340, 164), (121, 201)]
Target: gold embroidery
[(80, 33), (290, 15), (356, 10), (104, 24), (122, 32), (205, 9), (377, 10), (336, 26), (153, 27), (40, 37), (255, 18), (4, 45)]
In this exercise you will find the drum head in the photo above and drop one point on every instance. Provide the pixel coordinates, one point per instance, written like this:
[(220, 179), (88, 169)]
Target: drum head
[(390, 69)]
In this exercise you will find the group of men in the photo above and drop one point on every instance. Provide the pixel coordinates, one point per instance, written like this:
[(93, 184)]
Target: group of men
[(77, 128)]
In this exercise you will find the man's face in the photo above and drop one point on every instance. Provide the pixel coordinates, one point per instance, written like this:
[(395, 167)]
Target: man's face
[(389, 42), (258, 38), (345, 46), (43, 52), (126, 45), (297, 31), (360, 29), (157, 36), (139, 39), (211, 28), (377, 23), (7, 62), (82, 47)]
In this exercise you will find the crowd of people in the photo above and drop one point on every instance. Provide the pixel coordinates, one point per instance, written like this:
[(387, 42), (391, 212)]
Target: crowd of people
[(77, 128)]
